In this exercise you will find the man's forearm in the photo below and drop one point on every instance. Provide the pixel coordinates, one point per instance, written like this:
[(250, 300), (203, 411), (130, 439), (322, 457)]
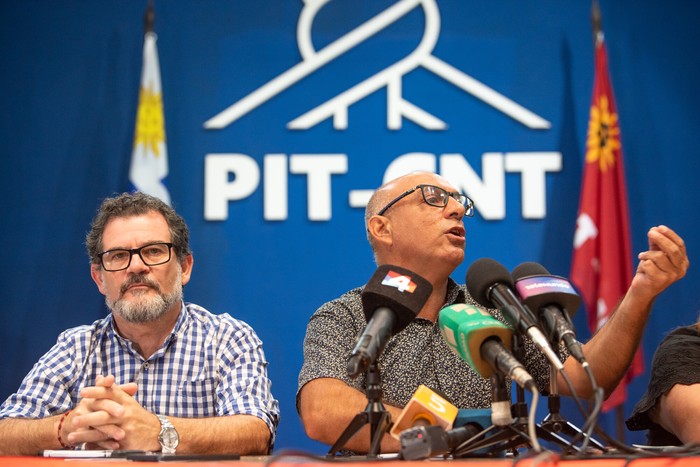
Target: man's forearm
[(328, 406), (611, 350), (239, 434), (28, 436)]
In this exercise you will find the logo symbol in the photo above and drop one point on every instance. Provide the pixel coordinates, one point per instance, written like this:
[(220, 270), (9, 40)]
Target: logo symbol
[(401, 282), (390, 78)]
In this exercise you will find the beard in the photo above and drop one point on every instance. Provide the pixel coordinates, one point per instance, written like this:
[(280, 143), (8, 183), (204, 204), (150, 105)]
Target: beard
[(144, 307)]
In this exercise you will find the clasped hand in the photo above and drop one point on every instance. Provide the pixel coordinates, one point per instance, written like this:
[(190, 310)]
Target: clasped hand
[(108, 417), (665, 262)]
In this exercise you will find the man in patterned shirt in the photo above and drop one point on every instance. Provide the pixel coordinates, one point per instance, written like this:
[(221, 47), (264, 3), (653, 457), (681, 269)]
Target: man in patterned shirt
[(416, 222), (155, 374)]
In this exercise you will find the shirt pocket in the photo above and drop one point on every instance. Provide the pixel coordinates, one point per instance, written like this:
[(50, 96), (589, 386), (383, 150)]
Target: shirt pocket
[(197, 398)]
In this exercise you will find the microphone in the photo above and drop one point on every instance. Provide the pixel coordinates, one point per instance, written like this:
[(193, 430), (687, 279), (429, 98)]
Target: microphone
[(422, 442), (483, 342), (491, 285), (391, 299), (552, 297), (425, 408)]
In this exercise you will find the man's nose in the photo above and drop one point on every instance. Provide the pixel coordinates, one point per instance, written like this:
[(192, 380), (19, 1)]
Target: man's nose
[(455, 209), (137, 263)]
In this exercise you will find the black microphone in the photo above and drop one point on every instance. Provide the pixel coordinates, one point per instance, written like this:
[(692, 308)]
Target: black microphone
[(391, 299), (491, 285), (552, 297), (422, 442)]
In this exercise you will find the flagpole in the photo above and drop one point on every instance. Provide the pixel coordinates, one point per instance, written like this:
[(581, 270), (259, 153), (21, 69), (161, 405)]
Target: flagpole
[(598, 39), (149, 18), (596, 23)]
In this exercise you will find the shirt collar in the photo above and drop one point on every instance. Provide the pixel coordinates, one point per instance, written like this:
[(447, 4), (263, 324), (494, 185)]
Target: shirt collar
[(455, 293), (180, 327)]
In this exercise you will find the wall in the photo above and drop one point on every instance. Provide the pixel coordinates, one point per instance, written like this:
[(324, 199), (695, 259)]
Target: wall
[(271, 252)]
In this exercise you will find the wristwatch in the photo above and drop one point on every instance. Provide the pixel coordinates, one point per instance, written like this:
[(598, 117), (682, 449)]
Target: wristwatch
[(168, 437)]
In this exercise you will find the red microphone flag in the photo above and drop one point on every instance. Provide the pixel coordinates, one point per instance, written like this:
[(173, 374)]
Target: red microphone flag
[(601, 266)]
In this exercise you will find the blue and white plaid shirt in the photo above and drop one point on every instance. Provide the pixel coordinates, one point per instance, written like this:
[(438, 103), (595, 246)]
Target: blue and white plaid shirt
[(210, 365)]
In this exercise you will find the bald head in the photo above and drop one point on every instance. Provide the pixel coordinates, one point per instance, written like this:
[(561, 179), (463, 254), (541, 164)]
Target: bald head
[(392, 189)]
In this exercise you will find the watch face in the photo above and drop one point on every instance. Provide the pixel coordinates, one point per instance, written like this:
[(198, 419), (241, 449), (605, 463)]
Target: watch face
[(170, 438)]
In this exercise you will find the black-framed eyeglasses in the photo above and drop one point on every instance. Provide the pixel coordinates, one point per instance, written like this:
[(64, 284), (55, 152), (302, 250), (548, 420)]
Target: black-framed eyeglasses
[(152, 254), (435, 196)]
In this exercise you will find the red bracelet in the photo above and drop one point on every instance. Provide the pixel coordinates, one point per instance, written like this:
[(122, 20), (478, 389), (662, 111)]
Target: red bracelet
[(58, 433)]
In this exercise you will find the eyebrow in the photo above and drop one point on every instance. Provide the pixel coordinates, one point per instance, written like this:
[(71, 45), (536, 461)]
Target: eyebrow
[(149, 242)]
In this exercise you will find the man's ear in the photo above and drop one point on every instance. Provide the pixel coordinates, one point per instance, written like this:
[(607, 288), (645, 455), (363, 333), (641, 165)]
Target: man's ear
[(97, 276), (380, 229), (187, 264)]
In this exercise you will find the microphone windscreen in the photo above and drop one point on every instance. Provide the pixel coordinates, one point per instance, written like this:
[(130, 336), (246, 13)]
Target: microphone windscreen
[(466, 327), (402, 291), (529, 268), (538, 288), (482, 275)]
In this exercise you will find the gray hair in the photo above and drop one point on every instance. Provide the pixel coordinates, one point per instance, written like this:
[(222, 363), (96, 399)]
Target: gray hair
[(136, 204), (379, 198)]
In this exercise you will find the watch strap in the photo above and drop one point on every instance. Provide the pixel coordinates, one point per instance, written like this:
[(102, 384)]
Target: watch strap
[(164, 437)]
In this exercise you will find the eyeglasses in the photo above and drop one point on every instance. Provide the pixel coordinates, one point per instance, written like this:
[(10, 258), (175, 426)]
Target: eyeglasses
[(152, 254), (435, 196)]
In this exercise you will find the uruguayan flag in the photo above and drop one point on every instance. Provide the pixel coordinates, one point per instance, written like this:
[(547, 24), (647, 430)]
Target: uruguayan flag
[(149, 160)]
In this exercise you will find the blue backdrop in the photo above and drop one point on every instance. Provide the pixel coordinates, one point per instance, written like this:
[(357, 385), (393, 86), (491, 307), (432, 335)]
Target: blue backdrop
[(275, 203)]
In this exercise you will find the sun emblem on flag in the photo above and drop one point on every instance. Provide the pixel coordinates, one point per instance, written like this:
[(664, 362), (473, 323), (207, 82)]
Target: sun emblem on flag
[(150, 129), (603, 135)]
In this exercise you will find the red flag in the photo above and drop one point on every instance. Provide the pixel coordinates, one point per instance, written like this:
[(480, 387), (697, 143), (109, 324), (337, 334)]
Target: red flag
[(602, 261)]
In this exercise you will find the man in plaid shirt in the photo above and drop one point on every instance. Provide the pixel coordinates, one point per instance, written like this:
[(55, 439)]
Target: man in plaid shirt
[(156, 374)]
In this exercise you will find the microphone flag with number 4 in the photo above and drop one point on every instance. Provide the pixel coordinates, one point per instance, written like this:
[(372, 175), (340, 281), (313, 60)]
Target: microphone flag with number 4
[(390, 300)]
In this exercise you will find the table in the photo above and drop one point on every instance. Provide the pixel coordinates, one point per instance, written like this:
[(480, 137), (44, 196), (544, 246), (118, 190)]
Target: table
[(304, 462)]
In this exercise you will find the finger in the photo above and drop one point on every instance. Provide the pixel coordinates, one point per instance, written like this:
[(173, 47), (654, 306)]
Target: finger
[(670, 260), (113, 392), (650, 269), (664, 238), (83, 408), (105, 381), (656, 259), (129, 388), (90, 436), (658, 239), (672, 235), (100, 412), (108, 445), (660, 272), (111, 432)]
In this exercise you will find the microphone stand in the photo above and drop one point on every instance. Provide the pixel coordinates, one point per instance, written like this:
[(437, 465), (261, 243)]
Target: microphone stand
[(515, 434), (512, 434), (554, 423), (374, 414)]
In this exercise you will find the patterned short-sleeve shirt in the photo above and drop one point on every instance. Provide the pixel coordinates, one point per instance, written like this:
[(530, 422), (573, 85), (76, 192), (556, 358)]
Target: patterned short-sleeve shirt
[(416, 355)]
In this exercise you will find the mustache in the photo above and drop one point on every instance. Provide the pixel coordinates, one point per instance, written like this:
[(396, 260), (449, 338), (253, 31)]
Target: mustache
[(138, 279)]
